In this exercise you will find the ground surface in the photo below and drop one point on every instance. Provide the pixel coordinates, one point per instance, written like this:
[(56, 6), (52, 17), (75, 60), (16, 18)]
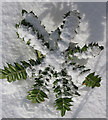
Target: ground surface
[(92, 103)]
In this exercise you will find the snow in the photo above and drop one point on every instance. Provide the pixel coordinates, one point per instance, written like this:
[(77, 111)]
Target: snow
[(92, 103)]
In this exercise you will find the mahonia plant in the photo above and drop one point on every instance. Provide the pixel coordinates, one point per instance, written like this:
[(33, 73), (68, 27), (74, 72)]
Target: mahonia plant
[(63, 86)]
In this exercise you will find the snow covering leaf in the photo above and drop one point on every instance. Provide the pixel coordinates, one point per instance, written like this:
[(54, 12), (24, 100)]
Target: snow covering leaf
[(92, 80), (74, 48), (37, 94), (42, 79), (68, 27), (63, 86), (31, 21)]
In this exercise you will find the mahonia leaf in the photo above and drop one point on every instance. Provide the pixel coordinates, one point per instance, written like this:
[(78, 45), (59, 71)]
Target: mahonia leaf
[(31, 62), (63, 86), (13, 73), (64, 90), (36, 96), (71, 50), (38, 29), (63, 104), (40, 85), (92, 80), (42, 79)]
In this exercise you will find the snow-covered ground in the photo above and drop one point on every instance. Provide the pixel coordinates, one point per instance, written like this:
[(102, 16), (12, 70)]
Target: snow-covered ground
[(92, 103)]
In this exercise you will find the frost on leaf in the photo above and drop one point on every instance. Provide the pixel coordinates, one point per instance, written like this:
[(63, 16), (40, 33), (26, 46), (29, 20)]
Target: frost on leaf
[(57, 44)]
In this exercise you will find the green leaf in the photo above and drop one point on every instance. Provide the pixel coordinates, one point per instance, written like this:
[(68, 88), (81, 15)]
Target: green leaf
[(63, 72), (63, 111), (17, 35), (55, 82), (13, 73), (57, 89), (67, 107), (18, 66), (3, 72), (28, 42), (25, 64), (92, 80), (63, 104), (12, 68), (39, 55), (16, 25), (32, 62), (43, 94), (87, 70), (72, 50), (84, 48), (36, 96), (2, 76), (23, 11), (76, 93)]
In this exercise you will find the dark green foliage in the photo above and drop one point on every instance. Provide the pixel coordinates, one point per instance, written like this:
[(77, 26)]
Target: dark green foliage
[(17, 35), (36, 96), (23, 11), (13, 72), (63, 72), (25, 23), (35, 30), (63, 86), (78, 66), (28, 42), (84, 48), (86, 70), (42, 79), (71, 50), (17, 25), (70, 55), (25, 64), (92, 80), (63, 104), (39, 55), (17, 71), (32, 62)]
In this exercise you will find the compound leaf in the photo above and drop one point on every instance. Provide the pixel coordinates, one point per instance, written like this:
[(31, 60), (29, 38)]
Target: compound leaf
[(92, 80)]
